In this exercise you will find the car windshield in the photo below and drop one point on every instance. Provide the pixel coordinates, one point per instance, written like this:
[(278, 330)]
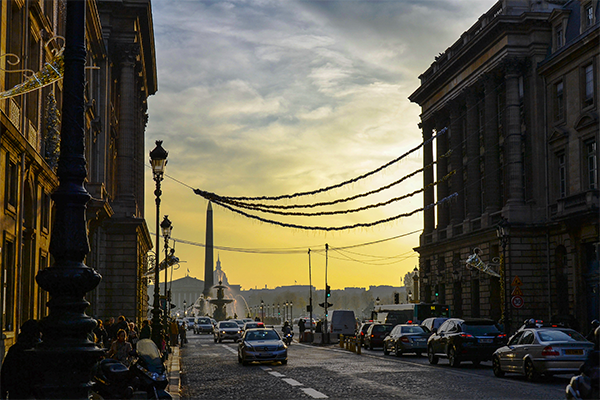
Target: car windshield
[(412, 329), (560, 336), (204, 321), (262, 335), (478, 330), (228, 325), (382, 328), (251, 325)]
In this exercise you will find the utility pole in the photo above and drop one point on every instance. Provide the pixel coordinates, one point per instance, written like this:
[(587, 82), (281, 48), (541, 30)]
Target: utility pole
[(310, 306), (324, 332)]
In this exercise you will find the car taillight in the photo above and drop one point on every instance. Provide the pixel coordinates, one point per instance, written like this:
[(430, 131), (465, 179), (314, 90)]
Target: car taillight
[(466, 335), (501, 336), (372, 335), (409, 322), (549, 351), (362, 334), (404, 339)]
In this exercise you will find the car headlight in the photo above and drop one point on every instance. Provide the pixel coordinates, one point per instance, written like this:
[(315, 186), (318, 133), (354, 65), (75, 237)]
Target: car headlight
[(281, 347), (223, 332)]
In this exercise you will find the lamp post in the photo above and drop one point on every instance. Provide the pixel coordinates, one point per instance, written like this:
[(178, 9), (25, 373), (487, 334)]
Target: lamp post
[(502, 232), (158, 160), (166, 226), (278, 312), (62, 363), (184, 308), (262, 311), (291, 312), (416, 284)]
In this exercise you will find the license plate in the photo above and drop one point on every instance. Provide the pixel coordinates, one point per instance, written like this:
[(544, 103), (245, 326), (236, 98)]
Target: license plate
[(486, 340), (578, 352)]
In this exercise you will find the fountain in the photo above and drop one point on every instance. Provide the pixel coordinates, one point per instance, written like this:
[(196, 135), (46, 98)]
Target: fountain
[(220, 302)]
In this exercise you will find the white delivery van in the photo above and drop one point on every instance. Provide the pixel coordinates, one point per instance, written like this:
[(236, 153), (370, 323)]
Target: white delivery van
[(342, 322)]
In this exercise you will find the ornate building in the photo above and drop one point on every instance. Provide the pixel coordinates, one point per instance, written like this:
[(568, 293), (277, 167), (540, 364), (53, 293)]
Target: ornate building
[(120, 75), (518, 94)]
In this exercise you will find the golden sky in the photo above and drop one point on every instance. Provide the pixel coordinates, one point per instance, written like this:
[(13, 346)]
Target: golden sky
[(266, 98)]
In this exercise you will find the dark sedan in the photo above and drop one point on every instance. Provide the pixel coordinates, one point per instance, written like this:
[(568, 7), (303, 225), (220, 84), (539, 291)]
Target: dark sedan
[(362, 331), (406, 339), (460, 340), (376, 333)]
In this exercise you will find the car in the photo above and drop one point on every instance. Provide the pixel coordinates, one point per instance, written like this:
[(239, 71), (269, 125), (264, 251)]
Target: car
[(307, 322), (362, 331), (474, 339), (239, 322), (189, 323), (203, 325), (432, 324), (261, 345), (253, 325), (376, 333), (227, 330), (342, 322), (405, 338), (542, 350)]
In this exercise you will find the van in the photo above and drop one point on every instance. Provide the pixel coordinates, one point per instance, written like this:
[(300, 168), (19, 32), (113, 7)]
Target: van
[(342, 322)]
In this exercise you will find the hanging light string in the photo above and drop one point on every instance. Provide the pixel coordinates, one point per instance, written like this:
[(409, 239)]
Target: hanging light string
[(215, 197), (261, 208), (336, 228)]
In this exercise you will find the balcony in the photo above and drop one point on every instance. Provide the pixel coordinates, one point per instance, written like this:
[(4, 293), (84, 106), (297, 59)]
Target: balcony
[(579, 203)]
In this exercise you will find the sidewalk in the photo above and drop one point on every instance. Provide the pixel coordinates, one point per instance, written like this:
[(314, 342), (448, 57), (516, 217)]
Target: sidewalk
[(173, 371)]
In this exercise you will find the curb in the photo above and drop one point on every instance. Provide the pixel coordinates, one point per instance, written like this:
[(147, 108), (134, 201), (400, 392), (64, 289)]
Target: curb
[(173, 371)]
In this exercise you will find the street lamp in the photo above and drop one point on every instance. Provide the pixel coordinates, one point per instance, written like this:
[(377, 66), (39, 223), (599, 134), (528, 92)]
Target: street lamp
[(184, 308), (262, 311), (158, 160), (291, 312), (416, 284), (166, 226)]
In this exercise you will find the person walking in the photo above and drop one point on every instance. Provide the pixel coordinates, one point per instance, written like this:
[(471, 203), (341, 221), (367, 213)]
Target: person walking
[(121, 350), (17, 375), (182, 334), (173, 333), (301, 328), (146, 332)]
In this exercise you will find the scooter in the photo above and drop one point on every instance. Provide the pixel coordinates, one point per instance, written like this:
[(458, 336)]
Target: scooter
[(112, 380), (149, 371)]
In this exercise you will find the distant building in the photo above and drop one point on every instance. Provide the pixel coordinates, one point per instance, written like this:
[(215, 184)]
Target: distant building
[(515, 100)]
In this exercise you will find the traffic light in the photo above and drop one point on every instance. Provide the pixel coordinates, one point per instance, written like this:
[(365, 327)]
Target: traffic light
[(327, 291), (322, 305), (309, 308), (437, 292), (396, 298)]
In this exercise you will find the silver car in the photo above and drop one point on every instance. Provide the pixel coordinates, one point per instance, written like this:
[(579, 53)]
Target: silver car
[(227, 330), (261, 345), (544, 350)]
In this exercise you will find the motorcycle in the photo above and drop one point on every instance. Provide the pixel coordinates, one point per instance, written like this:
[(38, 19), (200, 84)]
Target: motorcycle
[(112, 380), (287, 338), (149, 371)]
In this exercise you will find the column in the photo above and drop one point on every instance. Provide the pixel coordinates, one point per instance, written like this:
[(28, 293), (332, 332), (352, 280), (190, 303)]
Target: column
[(457, 209), (473, 157), (428, 198), (442, 171), (512, 141), (126, 140), (492, 195)]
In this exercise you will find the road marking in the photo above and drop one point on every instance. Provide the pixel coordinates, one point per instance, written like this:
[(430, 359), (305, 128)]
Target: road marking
[(292, 382), (234, 351), (277, 374), (265, 368), (315, 394)]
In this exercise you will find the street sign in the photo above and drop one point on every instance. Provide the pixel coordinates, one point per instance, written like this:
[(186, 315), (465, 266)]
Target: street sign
[(516, 281), (517, 291), (517, 301)]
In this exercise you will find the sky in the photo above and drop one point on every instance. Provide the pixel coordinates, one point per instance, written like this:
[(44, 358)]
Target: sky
[(268, 98)]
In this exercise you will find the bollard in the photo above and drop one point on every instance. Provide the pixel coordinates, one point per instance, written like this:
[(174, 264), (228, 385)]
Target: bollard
[(351, 345), (342, 341), (358, 346)]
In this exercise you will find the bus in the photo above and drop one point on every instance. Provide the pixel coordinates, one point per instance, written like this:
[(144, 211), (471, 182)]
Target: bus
[(412, 313)]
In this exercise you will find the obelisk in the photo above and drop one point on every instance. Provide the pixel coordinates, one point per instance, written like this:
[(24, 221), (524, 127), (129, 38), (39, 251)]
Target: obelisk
[(208, 253)]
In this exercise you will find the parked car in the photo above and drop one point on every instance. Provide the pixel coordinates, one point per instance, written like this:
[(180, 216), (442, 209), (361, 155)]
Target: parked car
[(362, 331), (227, 330), (376, 333), (261, 345), (203, 325), (253, 325), (460, 340), (544, 350), (432, 324), (406, 338)]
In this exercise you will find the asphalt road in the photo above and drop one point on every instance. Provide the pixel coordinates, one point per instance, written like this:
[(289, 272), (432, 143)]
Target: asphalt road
[(211, 371)]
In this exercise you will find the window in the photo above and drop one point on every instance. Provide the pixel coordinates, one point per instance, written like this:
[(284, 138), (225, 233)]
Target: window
[(591, 164), (588, 79), (562, 176), (527, 338), (11, 183), (8, 284), (558, 37), (45, 210), (559, 101), (588, 16)]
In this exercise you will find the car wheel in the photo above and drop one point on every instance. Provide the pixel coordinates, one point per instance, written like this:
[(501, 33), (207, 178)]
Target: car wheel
[(245, 363), (239, 358), (398, 352), (497, 368), (220, 340), (284, 362), (433, 359), (419, 353), (370, 345), (530, 373), (385, 350), (476, 362), (215, 340), (453, 357)]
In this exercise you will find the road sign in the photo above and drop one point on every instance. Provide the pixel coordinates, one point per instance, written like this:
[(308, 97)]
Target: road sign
[(517, 291), (517, 301), (516, 281)]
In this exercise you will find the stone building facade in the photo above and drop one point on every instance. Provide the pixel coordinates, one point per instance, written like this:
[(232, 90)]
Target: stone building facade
[(517, 95), (120, 75)]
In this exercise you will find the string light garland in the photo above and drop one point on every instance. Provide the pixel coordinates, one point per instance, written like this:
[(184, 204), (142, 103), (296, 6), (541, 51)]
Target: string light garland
[(337, 228), (215, 197), (50, 73)]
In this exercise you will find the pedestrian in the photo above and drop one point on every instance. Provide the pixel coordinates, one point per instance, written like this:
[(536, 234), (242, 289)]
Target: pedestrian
[(122, 324), (101, 334), (17, 375), (133, 334), (110, 330), (301, 326), (173, 333), (146, 332), (121, 350), (182, 334)]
